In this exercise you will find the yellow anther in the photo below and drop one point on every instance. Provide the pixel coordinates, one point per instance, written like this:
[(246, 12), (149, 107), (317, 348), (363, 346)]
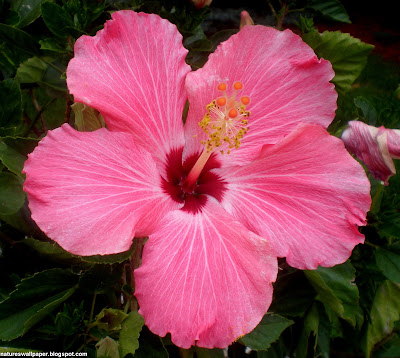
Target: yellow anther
[(225, 121)]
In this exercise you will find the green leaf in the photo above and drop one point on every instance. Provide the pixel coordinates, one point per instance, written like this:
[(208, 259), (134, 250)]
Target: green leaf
[(14, 151), (390, 349), (384, 313), (31, 71), (331, 9), (110, 259), (12, 18), (10, 104), (70, 321), (51, 251), (18, 38), (267, 332), (51, 105), (151, 346), (305, 24), (336, 289), (196, 58), (311, 322), (36, 70), (208, 353), (28, 10), (325, 335), (73, 6), (12, 197), (311, 325), (130, 332), (10, 58), (100, 278), (87, 119), (109, 319), (198, 41), (57, 19), (107, 347), (388, 261), (388, 218), (347, 54), (33, 299), (21, 220), (54, 45), (293, 294), (367, 109)]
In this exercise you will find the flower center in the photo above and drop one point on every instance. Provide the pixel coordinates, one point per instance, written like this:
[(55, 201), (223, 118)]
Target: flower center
[(195, 196), (225, 124)]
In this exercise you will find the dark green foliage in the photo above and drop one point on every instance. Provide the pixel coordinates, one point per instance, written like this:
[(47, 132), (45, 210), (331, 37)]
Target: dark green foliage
[(347, 54), (33, 299), (267, 332), (10, 106), (27, 10), (332, 9)]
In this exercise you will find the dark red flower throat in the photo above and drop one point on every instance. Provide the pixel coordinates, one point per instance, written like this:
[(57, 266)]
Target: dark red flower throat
[(194, 196)]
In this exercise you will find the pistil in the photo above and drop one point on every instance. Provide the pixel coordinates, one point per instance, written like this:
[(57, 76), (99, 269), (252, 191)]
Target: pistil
[(225, 124), (197, 169)]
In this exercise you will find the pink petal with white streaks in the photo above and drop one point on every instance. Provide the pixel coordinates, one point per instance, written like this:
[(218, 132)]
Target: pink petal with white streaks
[(133, 72), (283, 77), (393, 142), (91, 192), (204, 278), (371, 145), (306, 194)]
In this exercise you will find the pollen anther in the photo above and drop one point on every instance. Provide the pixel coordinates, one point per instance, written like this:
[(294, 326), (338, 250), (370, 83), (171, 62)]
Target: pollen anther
[(233, 113), (245, 100), (221, 87), (238, 85), (221, 101), (225, 121)]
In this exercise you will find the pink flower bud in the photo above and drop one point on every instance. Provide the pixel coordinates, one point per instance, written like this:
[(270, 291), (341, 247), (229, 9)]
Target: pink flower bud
[(201, 3), (245, 19), (376, 147)]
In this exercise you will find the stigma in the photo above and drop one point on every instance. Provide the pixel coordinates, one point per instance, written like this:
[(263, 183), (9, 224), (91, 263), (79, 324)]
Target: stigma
[(226, 120)]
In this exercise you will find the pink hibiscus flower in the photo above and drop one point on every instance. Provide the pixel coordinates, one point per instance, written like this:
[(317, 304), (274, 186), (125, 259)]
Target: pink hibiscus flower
[(376, 147), (216, 222)]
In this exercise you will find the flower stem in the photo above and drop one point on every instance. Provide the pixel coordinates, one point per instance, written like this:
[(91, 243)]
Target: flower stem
[(90, 320), (272, 9)]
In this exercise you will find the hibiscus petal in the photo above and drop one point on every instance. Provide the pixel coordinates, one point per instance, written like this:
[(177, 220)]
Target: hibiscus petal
[(393, 142), (371, 145), (205, 278), (283, 77), (91, 192), (306, 194), (133, 72)]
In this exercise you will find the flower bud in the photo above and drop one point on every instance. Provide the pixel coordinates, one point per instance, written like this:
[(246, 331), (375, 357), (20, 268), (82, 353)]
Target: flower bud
[(245, 19), (201, 3), (376, 147)]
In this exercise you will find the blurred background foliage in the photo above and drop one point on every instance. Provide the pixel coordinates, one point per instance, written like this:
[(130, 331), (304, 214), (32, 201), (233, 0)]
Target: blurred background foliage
[(51, 300)]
